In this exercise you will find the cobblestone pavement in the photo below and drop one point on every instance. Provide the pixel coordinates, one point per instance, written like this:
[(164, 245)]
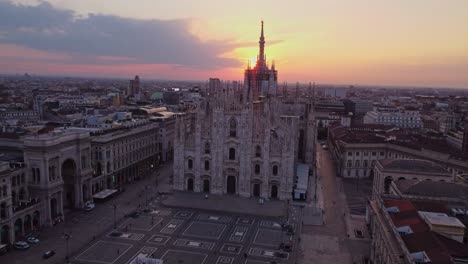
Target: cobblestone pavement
[(84, 226)]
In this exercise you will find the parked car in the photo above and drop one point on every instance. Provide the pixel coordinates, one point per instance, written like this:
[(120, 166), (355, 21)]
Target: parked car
[(325, 147), (21, 245), (32, 240), (48, 254), (134, 214), (89, 206)]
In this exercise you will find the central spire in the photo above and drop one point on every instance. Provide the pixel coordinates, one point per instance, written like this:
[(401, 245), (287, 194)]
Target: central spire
[(261, 60)]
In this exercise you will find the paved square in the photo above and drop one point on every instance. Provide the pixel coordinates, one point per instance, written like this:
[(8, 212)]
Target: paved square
[(183, 214), (268, 253), (271, 224), (205, 230), (238, 234), (172, 226), (245, 220), (224, 260), (268, 237), (183, 257), (194, 244), (161, 212), (215, 218), (104, 252), (144, 223), (189, 237), (125, 235), (158, 239), (143, 252), (231, 249)]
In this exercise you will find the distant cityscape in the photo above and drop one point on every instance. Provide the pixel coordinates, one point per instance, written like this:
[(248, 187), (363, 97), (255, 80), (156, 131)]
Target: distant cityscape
[(96, 170)]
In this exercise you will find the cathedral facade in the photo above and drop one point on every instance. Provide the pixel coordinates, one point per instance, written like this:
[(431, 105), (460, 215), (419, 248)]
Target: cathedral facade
[(244, 139)]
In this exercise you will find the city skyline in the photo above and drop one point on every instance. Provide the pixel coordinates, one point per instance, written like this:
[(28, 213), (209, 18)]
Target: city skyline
[(366, 43)]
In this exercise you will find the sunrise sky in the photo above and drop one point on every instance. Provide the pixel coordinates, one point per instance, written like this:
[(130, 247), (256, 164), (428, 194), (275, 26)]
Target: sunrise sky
[(398, 42)]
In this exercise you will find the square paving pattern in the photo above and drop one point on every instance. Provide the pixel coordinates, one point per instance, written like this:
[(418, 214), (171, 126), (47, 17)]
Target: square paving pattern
[(104, 252), (214, 218), (205, 230), (238, 234), (183, 257), (183, 214), (183, 236), (158, 239), (145, 223), (231, 248), (268, 237)]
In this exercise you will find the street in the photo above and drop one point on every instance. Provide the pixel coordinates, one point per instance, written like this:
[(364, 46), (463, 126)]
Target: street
[(83, 227), (330, 242)]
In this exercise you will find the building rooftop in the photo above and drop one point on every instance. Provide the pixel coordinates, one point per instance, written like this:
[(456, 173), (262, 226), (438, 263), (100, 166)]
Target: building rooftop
[(413, 165), (432, 189), (408, 138)]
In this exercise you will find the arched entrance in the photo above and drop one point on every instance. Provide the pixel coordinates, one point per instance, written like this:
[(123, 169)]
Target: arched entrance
[(206, 186), (387, 182), (36, 220), (5, 235), (190, 184), (27, 224), (231, 184), (18, 228), (256, 189), (68, 175), (274, 192), (53, 208)]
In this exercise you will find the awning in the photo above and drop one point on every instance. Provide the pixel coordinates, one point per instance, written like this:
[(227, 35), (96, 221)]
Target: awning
[(104, 194)]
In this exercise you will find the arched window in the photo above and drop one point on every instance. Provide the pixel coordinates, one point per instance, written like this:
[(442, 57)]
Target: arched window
[(5, 190), (232, 154), (275, 170), (257, 169), (190, 164), (258, 151), (366, 163), (357, 163), (207, 165), (233, 127), (349, 164), (207, 148)]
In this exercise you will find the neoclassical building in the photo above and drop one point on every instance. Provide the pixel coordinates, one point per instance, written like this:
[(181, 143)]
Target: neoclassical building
[(244, 139)]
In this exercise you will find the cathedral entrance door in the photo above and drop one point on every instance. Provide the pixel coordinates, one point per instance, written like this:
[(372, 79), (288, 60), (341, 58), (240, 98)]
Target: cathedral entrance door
[(256, 190), (231, 184), (190, 185), (274, 192), (206, 186)]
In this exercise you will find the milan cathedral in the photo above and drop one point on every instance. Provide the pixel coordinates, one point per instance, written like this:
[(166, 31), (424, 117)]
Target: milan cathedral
[(245, 139)]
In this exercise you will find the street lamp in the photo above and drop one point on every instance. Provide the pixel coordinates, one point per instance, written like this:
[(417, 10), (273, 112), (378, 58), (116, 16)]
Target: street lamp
[(115, 209), (67, 237)]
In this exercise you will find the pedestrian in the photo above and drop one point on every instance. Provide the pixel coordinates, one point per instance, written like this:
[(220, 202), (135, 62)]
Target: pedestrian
[(118, 251)]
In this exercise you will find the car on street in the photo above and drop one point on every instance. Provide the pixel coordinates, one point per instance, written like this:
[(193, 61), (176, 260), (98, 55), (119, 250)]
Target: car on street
[(89, 206), (325, 147), (134, 214), (32, 240), (21, 245), (48, 254)]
